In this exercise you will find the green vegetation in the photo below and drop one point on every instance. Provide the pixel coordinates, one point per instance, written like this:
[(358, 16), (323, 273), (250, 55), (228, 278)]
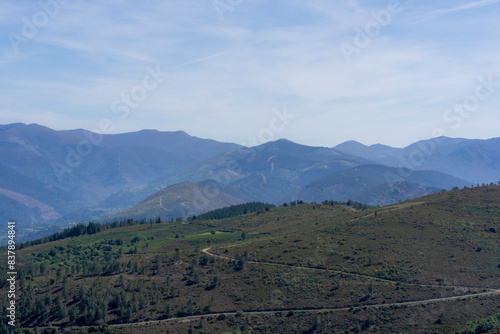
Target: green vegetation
[(482, 326), (89, 229), (306, 268), (234, 210)]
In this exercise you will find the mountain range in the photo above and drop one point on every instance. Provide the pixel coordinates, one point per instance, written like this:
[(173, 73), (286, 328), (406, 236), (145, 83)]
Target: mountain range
[(47, 174), (477, 161), (56, 178)]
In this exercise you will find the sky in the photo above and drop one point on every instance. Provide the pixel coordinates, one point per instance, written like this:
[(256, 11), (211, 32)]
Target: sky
[(250, 71)]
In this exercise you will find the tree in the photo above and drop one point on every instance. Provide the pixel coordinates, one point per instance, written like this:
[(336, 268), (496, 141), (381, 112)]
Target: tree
[(60, 310), (168, 311), (73, 314), (239, 263)]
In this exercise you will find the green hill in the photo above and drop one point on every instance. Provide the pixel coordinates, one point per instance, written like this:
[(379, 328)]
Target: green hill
[(430, 265)]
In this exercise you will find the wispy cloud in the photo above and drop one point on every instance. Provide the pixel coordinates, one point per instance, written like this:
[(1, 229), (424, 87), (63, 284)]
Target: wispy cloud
[(227, 76), (466, 6), (215, 55)]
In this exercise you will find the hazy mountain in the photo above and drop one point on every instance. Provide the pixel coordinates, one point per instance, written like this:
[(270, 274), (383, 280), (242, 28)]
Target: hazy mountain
[(283, 171), (375, 184), (77, 175), (475, 160), (389, 193), (180, 200), (46, 174), (262, 173), (375, 152)]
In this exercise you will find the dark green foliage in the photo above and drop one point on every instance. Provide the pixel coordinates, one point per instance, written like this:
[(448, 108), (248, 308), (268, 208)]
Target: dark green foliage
[(234, 210), (82, 229), (483, 326), (353, 204), (240, 262)]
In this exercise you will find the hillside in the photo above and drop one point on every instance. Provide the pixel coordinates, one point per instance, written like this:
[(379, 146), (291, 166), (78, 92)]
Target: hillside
[(390, 193), (47, 174), (429, 265), (178, 201), (375, 185)]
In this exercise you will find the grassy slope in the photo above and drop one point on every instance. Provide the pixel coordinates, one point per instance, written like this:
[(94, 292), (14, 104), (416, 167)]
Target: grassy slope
[(309, 257)]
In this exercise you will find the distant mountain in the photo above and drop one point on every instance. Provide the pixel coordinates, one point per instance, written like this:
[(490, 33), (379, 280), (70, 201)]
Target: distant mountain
[(176, 142), (477, 161), (46, 174), (375, 152), (180, 200), (389, 193), (375, 184), (262, 173), (49, 176), (282, 170)]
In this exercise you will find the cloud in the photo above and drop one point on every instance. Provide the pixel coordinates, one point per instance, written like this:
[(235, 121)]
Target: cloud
[(226, 77), (215, 55), (466, 6)]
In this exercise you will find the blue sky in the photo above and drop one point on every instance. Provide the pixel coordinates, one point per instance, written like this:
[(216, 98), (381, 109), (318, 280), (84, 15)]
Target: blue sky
[(228, 67)]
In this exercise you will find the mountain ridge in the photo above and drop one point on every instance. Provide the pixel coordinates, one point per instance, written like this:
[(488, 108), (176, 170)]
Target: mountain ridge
[(71, 170), (83, 176), (475, 160)]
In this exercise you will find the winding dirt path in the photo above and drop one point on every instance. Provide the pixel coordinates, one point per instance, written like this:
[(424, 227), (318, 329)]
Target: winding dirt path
[(487, 293), (318, 310), (206, 251)]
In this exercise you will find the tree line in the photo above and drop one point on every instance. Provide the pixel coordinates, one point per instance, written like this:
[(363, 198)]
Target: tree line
[(234, 210), (222, 213)]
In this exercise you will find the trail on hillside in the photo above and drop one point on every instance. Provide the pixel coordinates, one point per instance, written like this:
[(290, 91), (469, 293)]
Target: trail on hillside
[(190, 318), (312, 310), (206, 251), (487, 293)]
